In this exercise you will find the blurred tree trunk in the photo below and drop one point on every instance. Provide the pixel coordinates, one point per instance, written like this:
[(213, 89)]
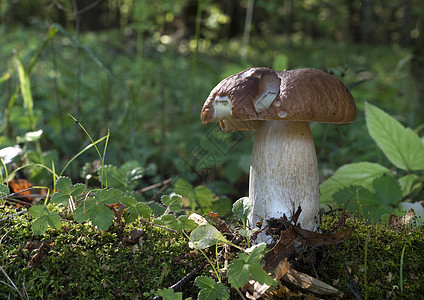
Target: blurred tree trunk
[(288, 17), (366, 20), (405, 38), (353, 21)]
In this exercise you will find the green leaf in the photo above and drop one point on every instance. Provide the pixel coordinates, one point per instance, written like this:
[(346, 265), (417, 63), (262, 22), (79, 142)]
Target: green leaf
[(242, 208), (205, 236), (183, 187), (211, 290), (402, 146), (240, 270), (387, 189), (37, 211), (26, 91), (204, 196), (359, 174), (110, 196), (135, 209), (100, 215), (115, 177), (60, 197), (173, 201), (77, 189), (4, 190), (63, 184), (45, 219), (410, 184), (169, 294)]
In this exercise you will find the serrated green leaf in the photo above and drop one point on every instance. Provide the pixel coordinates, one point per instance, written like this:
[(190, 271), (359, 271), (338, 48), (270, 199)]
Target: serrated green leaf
[(238, 273), (60, 198), (245, 266), (173, 201), (40, 225), (347, 198), (169, 294), (37, 211), (63, 184), (77, 189), (402, 146), (110, 196), (4, 190), (211, 290), (356, 174), (183, 187), (100, 215), (242, 208), (186, 223), (205, 236), (387, 189), (143, 210), (115, 177), (204, 196)]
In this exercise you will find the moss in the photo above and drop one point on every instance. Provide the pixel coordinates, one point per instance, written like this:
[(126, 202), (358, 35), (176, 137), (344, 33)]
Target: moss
[(373, 257), (80, 262)]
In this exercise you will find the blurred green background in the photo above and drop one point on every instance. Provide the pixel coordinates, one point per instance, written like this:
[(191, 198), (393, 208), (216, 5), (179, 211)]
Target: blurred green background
[(142, 69)]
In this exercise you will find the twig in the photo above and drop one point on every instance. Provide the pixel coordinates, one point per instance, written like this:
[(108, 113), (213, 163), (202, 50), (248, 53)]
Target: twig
[(17, 193), (160, 226), (151, 187), (11, 285), (17, 214), (187, 278), (353, 287)]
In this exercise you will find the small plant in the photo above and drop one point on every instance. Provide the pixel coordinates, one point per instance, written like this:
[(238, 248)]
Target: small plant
[(375, 189)]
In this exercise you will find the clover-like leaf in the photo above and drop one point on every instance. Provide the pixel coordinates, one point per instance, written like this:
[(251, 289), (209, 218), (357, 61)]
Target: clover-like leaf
[(60, 197), (77, 189), (100, 215), (63, 184), (134, 209), (44, 219), (173, 201), (249, 265), (110, 196), (211, 290), (169, 294)]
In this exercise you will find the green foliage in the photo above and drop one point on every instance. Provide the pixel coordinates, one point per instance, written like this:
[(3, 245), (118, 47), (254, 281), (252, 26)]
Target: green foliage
[(210, 289), (372, 187), (241, 209), (4, 190), (169, 294), (402, 146), (206, 236), (43, 219), (249, 265), (135, 209)]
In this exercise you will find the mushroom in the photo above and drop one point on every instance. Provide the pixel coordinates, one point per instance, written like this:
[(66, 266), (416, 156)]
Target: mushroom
[(279, 105)]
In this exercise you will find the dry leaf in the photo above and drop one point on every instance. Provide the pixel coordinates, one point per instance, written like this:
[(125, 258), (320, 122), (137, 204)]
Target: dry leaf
[(315, 239), (309, 283), (282, 250), (402, 220), (281, 269)]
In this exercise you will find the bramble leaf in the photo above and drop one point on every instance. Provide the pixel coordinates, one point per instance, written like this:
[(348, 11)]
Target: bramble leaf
[(109, 196), (240, 270), (211, 290), (169, 294), (100, 215), (63, 184), (77, 189), (173, 201), (44, 219)]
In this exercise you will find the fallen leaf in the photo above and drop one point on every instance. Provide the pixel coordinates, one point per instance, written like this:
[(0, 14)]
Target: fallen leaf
[(281, 251), (402, 220), (281, 269), (315, 239), (309, 283)]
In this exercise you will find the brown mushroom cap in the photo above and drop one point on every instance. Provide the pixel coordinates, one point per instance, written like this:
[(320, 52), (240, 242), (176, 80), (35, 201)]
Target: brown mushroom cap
[(264, 94)]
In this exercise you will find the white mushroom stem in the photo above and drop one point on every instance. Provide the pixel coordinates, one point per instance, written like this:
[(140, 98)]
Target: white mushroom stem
[(284, 175)]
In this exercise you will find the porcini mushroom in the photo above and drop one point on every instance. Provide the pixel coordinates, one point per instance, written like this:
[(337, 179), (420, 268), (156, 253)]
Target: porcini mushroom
[(279, 105)]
